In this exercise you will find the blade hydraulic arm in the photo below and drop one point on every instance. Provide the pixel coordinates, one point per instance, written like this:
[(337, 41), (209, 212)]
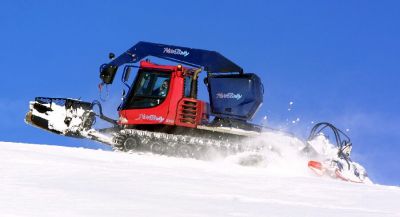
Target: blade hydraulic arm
[(211, 61)]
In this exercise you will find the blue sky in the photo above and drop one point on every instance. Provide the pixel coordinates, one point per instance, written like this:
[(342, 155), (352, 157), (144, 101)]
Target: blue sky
[(338, 61)]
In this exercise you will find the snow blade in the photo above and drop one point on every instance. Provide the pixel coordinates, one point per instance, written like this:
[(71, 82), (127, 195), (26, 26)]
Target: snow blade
[(68, 117)]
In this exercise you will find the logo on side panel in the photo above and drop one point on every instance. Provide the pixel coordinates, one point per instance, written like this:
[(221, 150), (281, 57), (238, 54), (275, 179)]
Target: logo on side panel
[(150, 118), (229, 96)]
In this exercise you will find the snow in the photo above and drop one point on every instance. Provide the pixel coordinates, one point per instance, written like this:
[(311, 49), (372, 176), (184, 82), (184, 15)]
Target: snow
[(43, 180)]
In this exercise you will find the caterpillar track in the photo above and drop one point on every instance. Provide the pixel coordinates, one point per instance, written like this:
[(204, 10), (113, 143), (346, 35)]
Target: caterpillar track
[(179, 145)]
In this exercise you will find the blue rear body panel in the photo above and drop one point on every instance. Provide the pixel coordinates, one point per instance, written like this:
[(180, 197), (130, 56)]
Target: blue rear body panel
[(235, 96)]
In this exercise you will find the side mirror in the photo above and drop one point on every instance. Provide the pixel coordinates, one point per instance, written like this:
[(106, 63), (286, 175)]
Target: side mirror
[(107, 73), (111, 56), (127, 74)]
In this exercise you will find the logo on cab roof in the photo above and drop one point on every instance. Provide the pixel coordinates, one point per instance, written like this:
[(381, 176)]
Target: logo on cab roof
[(176, 51)]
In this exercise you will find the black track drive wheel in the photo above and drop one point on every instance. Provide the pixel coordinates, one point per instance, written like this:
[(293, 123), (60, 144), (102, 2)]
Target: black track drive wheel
[(131, 143), (185, 151), (157, 147)]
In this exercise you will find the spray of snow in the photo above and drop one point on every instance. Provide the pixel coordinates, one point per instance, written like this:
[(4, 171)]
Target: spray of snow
[(280, 155)]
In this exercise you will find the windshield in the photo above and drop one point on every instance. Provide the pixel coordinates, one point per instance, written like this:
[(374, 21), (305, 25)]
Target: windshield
[(149, 89)]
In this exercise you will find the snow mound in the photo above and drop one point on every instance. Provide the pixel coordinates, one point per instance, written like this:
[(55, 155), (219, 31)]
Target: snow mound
[(41, 180)]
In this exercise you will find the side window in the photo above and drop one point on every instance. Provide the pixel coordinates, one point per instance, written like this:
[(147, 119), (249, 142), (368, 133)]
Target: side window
[(188, 83), (150, 89), (161, 86), (143, 85)]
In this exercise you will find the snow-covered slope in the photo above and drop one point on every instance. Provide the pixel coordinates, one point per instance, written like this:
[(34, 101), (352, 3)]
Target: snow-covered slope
[(40, 180)]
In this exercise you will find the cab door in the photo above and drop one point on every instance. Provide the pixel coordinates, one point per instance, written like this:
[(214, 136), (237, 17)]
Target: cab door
[(148, 100)]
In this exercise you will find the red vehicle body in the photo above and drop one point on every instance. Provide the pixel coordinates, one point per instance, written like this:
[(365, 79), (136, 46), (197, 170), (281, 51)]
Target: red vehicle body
[(175, 109)]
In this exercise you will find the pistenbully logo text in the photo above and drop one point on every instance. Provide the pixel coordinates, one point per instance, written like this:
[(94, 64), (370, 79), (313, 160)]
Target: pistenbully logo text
[(150, 118), (176, 51), (229, 96)]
